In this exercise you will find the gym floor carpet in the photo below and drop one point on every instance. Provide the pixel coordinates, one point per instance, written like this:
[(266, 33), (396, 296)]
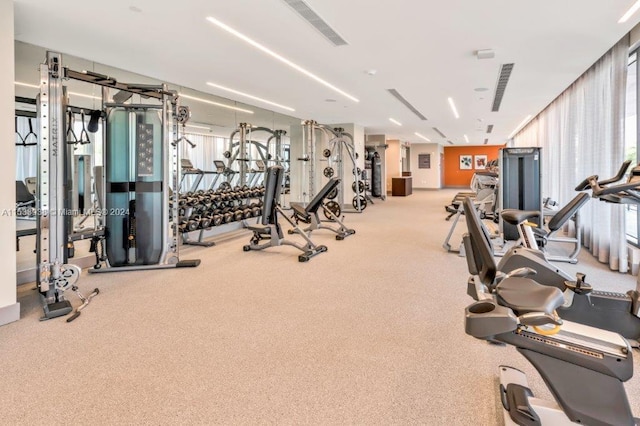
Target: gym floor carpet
[(370, 332)]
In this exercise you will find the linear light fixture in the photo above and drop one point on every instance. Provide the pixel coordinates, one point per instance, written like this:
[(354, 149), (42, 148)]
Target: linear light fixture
[(422, 137), (35, 86), (82, 95), (453, 108), (522, 123), (19, 83), (466, 138), (195, 126), (206, 101), (633, 9), (278, 57), (237, 92), (394, 121)]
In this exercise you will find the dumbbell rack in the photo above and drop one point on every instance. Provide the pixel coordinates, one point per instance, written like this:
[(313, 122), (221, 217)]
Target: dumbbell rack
[(203, 210)]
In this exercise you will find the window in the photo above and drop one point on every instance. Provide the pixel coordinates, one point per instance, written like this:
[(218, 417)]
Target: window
[(631, 141)]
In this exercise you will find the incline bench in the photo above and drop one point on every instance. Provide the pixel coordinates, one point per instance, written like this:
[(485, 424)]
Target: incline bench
[(309, 213), (269, 228)]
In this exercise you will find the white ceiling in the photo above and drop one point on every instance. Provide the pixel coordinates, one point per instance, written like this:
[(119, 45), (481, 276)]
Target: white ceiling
[(423, 48)]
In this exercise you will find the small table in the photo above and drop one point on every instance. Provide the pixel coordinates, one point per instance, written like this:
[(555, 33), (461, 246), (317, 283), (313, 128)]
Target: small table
[(401, 186)]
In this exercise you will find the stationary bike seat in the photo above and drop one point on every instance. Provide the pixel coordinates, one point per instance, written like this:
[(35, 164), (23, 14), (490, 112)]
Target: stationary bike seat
[(515, 217), (524, 295)]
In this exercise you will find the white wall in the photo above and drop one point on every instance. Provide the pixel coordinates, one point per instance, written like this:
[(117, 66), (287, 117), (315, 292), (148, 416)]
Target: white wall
[(426, 178), (393, 162), (9, 309)]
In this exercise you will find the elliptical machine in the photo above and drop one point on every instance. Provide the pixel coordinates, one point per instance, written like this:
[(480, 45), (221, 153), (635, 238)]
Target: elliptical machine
[(611, 311)]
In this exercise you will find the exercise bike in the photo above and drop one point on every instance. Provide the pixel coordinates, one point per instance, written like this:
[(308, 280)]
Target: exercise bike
[(617, 312), (583, 367)]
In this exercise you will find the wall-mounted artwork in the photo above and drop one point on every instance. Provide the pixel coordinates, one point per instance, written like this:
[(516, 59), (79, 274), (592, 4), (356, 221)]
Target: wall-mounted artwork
[(424, 161), (466, 162), (480, 162)]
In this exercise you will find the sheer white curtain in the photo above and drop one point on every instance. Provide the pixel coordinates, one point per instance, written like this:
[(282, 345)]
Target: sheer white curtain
[(582, 134), (207, 149)]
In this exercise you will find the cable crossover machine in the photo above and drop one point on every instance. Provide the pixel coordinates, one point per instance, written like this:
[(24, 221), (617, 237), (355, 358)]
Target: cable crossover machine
[(136, 223)]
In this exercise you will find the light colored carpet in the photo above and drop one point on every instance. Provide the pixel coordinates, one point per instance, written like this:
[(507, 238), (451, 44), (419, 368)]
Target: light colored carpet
[(370, 332)]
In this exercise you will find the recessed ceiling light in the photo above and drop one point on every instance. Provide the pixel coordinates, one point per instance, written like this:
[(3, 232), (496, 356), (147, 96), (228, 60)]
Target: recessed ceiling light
[(466, 139), (522, 123), (481, 89), (206, 101), (633, 9), (135, 9), (330, 100), (237, 92), (278, 57), (453, 108), (394, 121), (422, 137), (371, 72)]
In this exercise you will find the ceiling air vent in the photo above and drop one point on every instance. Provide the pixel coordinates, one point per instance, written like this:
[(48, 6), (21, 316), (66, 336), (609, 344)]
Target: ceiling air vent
[(490, 128), (406, 103), (435, 129), (486, 141), (309, 15), (503, 79), (450, 142)]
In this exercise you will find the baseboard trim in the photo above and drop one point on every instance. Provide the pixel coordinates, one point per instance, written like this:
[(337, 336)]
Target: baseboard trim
[(9, 313)]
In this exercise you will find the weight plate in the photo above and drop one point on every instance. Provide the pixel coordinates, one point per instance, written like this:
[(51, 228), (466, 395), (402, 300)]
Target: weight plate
[(226, 154), (360, 187), (357, 170), (326, 153), (183, 114), (334, 208), (328, 172), (333, 193), (363, 202)]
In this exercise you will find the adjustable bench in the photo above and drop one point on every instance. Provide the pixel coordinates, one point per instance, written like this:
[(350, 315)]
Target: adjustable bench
[(269, 229), (309, 213)]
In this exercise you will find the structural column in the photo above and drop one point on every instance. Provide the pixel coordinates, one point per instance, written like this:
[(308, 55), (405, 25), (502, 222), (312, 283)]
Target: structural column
[(9, 308)]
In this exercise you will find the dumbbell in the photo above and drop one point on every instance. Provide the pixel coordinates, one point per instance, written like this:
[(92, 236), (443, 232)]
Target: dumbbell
[(205, 222), (227, 217), (182, 225), (238, 215), (217, 219)]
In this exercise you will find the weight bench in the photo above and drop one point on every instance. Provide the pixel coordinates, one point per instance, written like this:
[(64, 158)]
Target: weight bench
[(309, 213), (269, 229)]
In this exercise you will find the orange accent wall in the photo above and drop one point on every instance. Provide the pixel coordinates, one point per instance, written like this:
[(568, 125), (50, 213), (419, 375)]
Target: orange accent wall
[(453, 176)]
